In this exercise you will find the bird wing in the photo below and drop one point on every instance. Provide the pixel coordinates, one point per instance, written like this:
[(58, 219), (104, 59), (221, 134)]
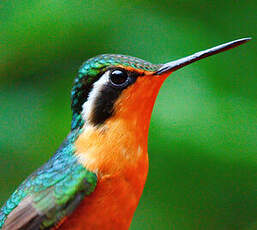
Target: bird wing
[(48, 195)]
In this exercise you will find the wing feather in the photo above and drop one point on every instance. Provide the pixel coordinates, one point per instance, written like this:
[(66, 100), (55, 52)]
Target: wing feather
[(49, 194)]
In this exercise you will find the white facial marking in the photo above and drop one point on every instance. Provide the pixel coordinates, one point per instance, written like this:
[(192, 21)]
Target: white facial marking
[(87, 107)]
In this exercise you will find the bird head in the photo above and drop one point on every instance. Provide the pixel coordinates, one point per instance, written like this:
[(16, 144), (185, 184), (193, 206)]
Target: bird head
[(123, 87)]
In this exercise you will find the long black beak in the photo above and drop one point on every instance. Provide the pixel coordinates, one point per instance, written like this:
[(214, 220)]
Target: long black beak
[(175, 65)]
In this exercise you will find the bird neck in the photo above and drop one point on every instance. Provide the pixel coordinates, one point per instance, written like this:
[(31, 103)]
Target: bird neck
[(121, 142), (77, 122), (112, 148)]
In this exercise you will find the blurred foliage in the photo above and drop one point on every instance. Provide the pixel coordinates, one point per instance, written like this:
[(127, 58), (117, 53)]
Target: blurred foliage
[(202, 141)]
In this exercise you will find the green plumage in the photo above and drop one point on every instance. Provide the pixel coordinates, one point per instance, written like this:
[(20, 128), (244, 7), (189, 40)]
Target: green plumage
[(93, 65), (55, 189)]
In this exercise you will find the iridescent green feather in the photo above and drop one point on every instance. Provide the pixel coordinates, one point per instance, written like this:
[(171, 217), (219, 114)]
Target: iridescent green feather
[(56, 188), (91, 66)]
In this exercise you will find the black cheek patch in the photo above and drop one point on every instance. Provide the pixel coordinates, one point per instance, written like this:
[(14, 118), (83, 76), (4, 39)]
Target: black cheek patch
[(104, 104)]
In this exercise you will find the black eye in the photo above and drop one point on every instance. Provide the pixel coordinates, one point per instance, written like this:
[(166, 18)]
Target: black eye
[(119, 77)]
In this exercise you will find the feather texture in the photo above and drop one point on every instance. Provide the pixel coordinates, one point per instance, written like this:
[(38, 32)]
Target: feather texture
[(49, 194)]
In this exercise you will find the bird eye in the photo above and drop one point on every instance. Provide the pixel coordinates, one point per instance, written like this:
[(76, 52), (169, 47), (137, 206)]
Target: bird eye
[(119, 77)]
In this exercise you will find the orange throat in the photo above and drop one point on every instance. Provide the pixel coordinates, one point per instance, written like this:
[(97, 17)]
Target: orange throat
[(121, 142), (117, 152)]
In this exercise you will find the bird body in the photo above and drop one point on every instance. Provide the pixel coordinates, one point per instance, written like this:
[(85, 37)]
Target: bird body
[(97, 176)]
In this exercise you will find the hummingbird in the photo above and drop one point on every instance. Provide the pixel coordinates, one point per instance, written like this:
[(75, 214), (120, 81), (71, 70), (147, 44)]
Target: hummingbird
[(96, 177)]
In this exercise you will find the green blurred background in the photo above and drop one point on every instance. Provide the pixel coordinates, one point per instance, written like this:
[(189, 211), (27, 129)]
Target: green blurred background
[(202, 142)]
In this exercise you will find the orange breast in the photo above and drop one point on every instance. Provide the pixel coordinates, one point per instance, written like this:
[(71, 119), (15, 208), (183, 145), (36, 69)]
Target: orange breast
[(110, 207)]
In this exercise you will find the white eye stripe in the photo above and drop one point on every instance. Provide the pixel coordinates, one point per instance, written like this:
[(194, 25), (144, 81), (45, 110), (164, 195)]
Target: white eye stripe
[(88, 106)]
